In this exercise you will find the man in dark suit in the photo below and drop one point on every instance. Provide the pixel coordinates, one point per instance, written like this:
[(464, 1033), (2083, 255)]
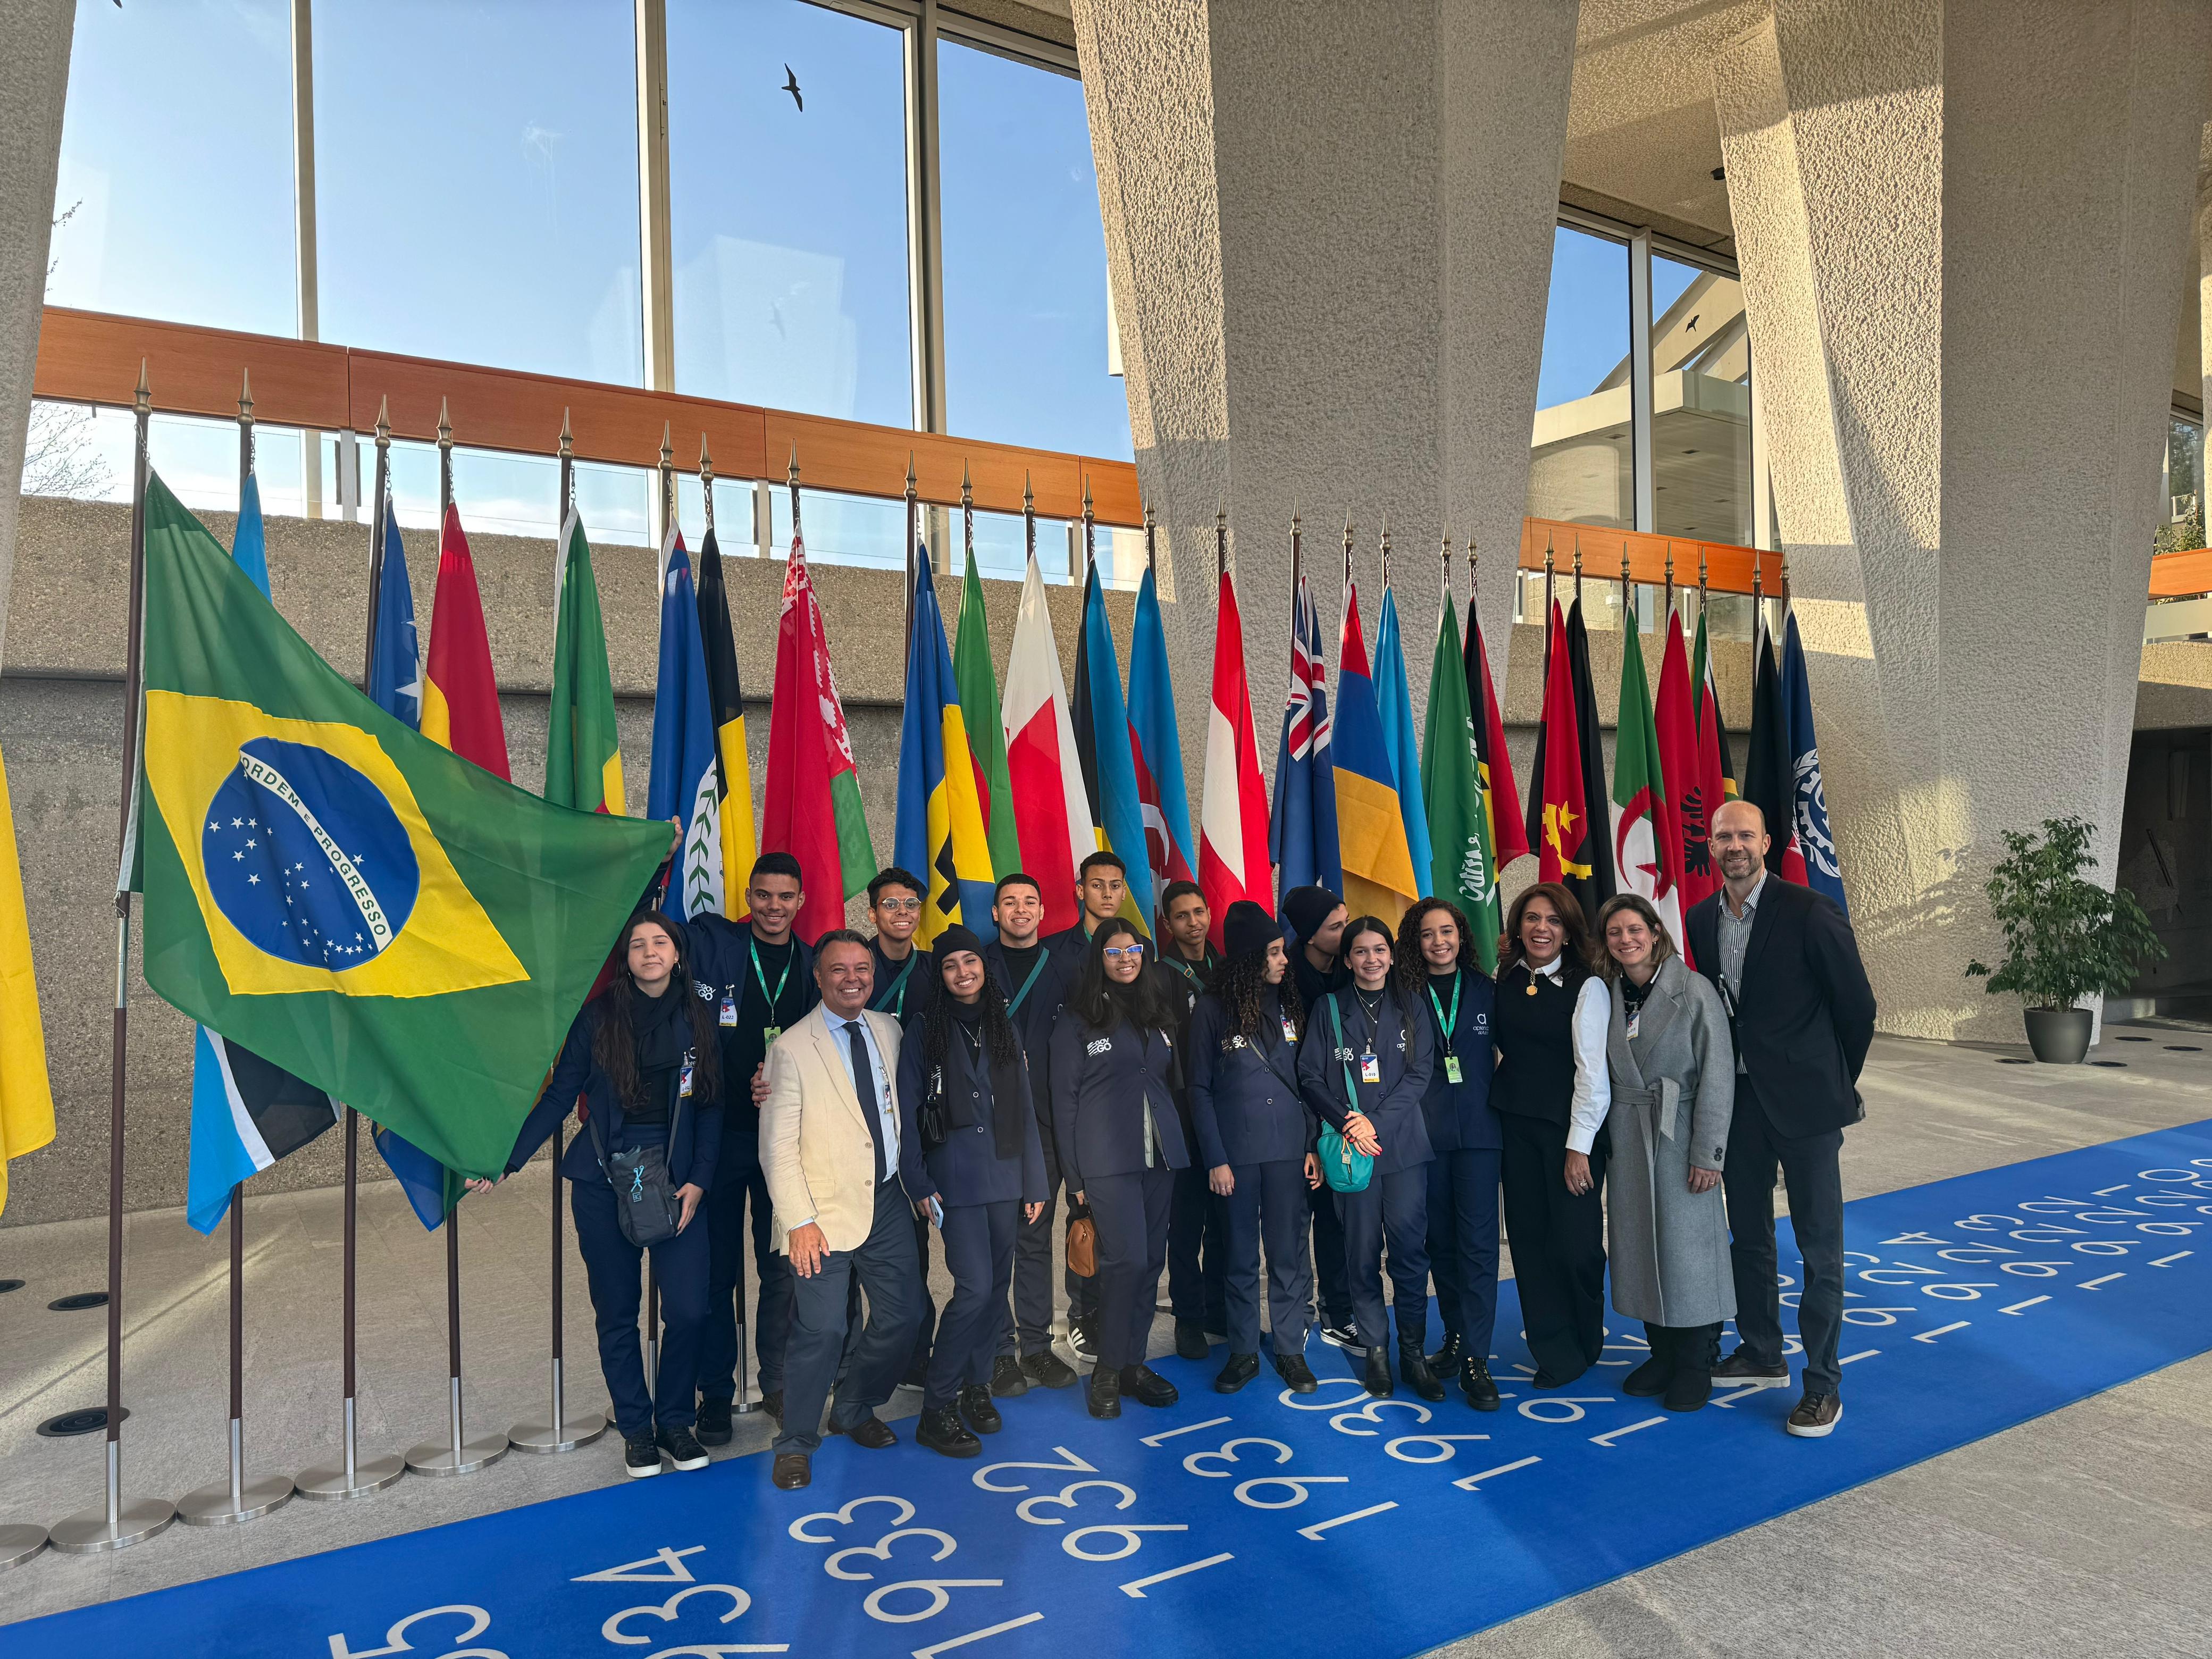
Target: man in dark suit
[(1787, 970)]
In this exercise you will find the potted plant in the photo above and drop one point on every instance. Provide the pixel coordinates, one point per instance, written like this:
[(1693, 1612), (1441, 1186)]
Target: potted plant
[(2065, 937)]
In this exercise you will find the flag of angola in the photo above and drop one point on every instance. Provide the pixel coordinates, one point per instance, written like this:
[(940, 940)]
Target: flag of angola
[(341, 895)]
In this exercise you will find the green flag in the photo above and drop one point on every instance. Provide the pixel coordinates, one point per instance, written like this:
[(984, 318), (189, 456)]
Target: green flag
[(987, 732), (583, 758), (1647, 843), (1459, 829), (342, 895)]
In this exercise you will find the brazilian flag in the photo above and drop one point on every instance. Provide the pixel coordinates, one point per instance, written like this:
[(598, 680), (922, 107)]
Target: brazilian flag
[(341, 895)]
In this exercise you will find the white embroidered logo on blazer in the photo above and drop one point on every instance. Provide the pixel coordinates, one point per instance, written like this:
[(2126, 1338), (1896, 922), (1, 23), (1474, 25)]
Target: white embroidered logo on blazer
[(1099, 1046)]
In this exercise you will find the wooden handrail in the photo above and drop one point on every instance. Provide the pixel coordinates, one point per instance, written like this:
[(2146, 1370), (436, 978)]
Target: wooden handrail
[(1727, 566), (2181, 575)]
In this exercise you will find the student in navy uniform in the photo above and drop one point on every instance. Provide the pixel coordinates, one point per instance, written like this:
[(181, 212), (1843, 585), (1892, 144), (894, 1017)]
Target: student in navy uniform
[(1252, 1133), (1438, 969), (1552, 1093), (761, 978), (1034, 983), (1198, 1222), (1317, 918), (905, 983), (1114, 1081), (1364, 1066), (643, 1056), (962, 1075)]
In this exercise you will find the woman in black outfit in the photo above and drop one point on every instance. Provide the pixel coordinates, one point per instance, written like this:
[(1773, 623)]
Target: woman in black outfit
[(1552, 1092), (643, 1056), (961, 1078), (1114, 1119), (1364, 1068)]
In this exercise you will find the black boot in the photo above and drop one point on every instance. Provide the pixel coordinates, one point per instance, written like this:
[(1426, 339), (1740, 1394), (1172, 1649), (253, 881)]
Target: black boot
[(1445, 1360), (942, 1431), (981, 1414), (1475, 1382), (1649, 1381), (1413, 1366), (1378, 1374), (1696, 1353), (1240, 1368), (1105, 1391)]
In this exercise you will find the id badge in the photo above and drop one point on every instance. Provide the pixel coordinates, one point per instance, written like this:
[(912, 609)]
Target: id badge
[(770, 1033), (1451, 1068), (1370, 1068), (1634, 1020), (1290, 1031), (683, 1082), (729, 1014)]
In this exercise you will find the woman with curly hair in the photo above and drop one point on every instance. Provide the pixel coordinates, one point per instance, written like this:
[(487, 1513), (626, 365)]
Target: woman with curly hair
[(1253, 1133), (1439, 971)]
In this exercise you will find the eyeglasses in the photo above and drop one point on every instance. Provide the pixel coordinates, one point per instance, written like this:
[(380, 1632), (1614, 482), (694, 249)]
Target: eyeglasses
[(899, 907), (1112, 950)]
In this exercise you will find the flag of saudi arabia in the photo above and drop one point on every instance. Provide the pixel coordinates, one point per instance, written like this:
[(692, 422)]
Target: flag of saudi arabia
[(339, 893), (1459, 821)]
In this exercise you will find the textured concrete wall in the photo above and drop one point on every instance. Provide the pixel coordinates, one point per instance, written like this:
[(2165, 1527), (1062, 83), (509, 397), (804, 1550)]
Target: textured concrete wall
[(1963, 231), (1328, 228), (60, 728), (34, 76)]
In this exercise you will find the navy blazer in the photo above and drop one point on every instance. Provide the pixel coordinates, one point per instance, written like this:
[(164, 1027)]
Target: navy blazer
[(1244, 1090), (967, 1169), (1460, 1116), (1033, 1021), (1100, 1082), (722, 957), (692, 1155), (1394, 1105)]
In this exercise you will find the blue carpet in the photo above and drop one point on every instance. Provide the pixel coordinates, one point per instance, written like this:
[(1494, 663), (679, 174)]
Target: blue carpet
[(1235, 1526)]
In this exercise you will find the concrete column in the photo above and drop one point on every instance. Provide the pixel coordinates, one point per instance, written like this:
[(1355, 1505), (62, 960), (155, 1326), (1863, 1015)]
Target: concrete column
[(1964, 232), (34, 77), (1329, 235)]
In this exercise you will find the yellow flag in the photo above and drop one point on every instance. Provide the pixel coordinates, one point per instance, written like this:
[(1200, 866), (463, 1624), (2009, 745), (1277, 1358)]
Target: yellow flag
[(27, 1102)]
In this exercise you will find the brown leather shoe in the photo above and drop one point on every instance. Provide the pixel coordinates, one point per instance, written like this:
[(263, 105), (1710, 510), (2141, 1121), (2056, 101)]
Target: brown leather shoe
[(793, 1470), (874, 1434)]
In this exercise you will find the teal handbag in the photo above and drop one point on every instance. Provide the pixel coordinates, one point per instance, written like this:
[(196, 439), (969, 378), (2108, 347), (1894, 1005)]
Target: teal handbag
[(1343, 1166)]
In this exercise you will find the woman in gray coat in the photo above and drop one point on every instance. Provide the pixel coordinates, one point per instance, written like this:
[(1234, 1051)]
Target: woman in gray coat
[(1673, 1068)]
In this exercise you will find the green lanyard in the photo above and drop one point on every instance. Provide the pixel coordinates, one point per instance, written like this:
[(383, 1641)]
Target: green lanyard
[(894, 1000), (1021, 996), (1445, 1025), (775, 996)]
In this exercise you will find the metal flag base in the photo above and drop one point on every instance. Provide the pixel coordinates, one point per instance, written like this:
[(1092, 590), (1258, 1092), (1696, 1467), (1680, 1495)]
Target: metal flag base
[(223, 1505), (19, 1544), (438, 1457), (93, 1531), (368, 1474), (573, 1432)]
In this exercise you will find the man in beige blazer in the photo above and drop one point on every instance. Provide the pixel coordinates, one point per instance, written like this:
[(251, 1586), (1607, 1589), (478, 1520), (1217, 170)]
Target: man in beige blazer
[(829, 1144)]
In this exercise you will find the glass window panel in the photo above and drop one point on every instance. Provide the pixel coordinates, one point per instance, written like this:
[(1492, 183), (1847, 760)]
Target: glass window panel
[(2182, 524), (476, 182), (1025, 319), (1581, 466), (176, 165), (733, 514), (1002, 551), (788, 225), (1700, 405)]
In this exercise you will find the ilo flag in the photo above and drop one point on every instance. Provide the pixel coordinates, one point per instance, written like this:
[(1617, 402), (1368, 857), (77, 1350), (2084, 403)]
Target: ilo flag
[(1824, 870), (1302, 839), (1647, 848), (1768, 777), (1155, 748), (1232, 845), (1679, 765), (391, 924), (1101, 721), (725, 704), (1463, 869), (1394, 701), (939, 829), (812, 806), (685, 784), (1051, 810), (1370, 826)]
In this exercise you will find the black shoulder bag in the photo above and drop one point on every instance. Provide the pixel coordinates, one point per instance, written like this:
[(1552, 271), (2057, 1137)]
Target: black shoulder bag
[(645, 1205)]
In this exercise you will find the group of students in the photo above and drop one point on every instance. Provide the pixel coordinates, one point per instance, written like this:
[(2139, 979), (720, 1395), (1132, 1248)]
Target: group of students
[(1331, 1096)]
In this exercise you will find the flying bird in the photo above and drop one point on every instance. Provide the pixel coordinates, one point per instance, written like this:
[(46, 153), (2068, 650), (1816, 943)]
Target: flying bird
[(791, 86)]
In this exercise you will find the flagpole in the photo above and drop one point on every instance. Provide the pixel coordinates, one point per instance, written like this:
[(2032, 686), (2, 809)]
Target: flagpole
[(352, 1477), (1028, 519), (1090, 533), (568, 453), (706, 480), (1386, 552), (913, 541), (1220, 540), (232, 1500), (967, 516), (1347, 554), (445, 466), (667, 497), (116, 1525)]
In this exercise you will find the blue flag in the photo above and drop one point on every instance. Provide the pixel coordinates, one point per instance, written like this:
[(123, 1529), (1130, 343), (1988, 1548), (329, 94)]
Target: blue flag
[(1824, 870), (686, 783), (940, 834), (1156, 747), (1101, 722), (1393, 701), (1302, 829)]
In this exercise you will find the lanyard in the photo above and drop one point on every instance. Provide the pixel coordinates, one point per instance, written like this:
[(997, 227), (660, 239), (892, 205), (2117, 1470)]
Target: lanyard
[(1036, 968), (894, 997), (776, 995), (1184, 968), (1447, 1026)]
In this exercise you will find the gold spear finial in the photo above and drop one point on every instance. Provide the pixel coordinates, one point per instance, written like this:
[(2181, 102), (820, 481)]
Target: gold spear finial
[(567, 440), (245, 397), (444, 427), (384, 421), (142, 400)]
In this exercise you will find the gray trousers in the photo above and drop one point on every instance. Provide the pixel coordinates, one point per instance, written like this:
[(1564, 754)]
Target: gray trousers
[(890, 1273), (1812, 1175)]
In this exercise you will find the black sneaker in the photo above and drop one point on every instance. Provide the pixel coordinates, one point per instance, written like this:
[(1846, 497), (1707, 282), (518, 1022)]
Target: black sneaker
[(1342, 1336), (714, 1422), (640, 1456), (942, 1431), (1147, 1387), (1190, 1339), (1240, 1368), (983, 1416), (1048, 1368), (683, 1447), (1297, 1374), (1008, 1380), (1475, 1383), (1739, 1368), (1082, 1339), (1445, 1360), (1816, 1416)]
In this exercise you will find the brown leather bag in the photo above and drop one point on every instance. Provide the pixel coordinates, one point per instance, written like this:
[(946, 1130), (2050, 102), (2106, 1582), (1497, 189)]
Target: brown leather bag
[(1082, 1245)]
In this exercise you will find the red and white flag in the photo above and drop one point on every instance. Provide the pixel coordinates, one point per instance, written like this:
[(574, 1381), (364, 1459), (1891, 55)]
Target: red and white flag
[(1232, 831), (1052, 810)]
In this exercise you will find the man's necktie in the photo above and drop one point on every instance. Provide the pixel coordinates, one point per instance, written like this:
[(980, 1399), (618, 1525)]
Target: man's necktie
[(864, 1086)]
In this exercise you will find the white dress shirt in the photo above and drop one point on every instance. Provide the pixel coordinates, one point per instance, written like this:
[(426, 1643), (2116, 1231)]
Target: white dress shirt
[(1593, 1096)]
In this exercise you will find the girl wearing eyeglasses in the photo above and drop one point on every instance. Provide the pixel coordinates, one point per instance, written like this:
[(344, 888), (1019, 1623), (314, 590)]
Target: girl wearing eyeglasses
[(1114, 1077)]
